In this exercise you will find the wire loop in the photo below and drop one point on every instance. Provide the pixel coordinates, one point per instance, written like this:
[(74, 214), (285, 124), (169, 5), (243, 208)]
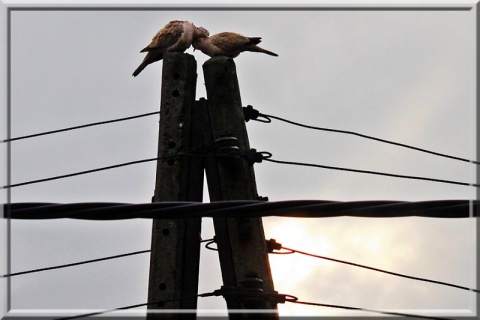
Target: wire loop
[(249, 113), (253, 156), (209, 247)]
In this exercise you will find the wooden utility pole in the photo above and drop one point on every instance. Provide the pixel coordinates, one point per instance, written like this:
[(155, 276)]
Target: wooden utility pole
[(241, 241), (175, 256)]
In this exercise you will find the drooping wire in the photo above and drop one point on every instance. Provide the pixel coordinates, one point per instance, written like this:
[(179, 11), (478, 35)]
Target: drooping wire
[(373, 172), (252, 114), (75, 264), (83, 262), (271, 244), (275, 246), (85, 172), (81, 126), (134, 306), (252, 157), (367, 310), (286, 298)]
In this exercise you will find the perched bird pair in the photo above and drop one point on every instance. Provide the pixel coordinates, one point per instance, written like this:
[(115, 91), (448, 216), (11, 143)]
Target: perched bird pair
[(177, 36)]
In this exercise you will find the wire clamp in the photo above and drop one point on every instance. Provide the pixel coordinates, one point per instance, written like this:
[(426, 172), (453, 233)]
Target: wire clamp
[(272, 245), (249, 113), (253, 156), (262, 198), (250, 293)]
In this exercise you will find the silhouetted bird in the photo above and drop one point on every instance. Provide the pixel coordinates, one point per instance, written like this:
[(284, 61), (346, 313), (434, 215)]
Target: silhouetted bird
[(228, 44), (175, 36)]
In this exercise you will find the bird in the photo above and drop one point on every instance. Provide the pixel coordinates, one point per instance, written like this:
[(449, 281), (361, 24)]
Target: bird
[(175, 36), (228, 44)]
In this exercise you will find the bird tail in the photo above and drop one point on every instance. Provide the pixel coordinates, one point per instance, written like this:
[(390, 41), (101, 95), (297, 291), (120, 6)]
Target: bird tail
[(139, 69), (265, 51), (254, 40), (149, 58)]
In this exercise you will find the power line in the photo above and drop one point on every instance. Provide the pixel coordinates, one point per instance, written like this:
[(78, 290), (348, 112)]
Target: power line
[(82, 262), (373, 172), (243, 208), (85, 172), (74, 264), (248, 156), (252, 157), (364, 309), (276, 246), (133, 306), (252, 114), (81, 126), (224, 291), (376, 139), (285, 298)]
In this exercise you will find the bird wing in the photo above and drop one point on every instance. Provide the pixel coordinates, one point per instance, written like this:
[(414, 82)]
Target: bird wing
[(229, 41), (166, 37)]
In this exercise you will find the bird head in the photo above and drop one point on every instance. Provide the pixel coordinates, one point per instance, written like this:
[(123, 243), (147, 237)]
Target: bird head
[(201, 32), (197, 42)]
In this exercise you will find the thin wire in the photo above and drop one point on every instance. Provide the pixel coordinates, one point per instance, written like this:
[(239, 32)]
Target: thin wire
[(84, 172), (369, 137), (133, 306), (81, 126), (82, 262), (292, 300), (262, 155), (265, 156), (373, 172), (363, 309), (75, 263), (381, 270), (104, 311)]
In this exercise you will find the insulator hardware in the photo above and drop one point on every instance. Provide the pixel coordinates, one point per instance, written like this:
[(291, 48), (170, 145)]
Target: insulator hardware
[(252, 283), (261, 198), (252, 299), (227, 144), (249, 113), (253, 157), (273, 245)]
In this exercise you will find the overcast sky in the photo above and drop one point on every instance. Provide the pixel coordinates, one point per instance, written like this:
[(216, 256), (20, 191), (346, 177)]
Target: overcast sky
[(406, 76)]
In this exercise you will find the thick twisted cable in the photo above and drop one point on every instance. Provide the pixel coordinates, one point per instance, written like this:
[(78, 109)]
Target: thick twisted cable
[(243, 208)]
